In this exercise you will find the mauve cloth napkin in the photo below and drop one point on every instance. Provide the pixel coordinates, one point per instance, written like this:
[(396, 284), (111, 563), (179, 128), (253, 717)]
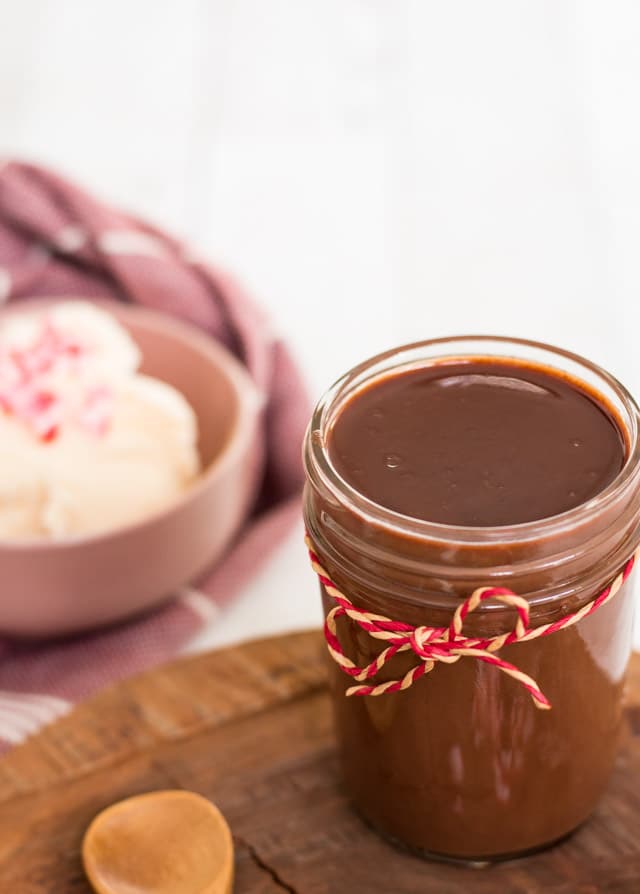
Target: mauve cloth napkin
[(57, 240)]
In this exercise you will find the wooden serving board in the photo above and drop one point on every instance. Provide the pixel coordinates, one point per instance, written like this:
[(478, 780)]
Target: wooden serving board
[(250, 727)]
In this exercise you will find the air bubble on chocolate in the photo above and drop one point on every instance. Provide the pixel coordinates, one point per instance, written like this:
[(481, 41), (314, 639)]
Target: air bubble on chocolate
[(393, 460)]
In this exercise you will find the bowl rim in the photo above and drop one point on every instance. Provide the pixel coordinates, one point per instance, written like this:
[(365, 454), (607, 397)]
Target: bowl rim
[(249, 403)]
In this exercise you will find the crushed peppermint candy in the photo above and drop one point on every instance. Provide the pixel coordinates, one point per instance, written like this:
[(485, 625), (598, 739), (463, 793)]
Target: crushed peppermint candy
[(31, 385)]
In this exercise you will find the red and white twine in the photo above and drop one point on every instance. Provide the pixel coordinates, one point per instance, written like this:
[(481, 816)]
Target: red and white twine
[(432, 645)]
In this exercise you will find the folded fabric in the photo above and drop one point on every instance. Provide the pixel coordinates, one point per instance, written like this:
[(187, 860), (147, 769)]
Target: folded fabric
[(56, 240)]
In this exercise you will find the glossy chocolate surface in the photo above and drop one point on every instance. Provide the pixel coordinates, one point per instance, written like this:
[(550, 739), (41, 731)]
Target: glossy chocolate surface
[(477, 443)]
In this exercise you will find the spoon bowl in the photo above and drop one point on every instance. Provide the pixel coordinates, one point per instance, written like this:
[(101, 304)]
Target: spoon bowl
[(167, 842)]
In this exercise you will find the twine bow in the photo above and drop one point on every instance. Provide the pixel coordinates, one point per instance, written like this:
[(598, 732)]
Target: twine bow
[(432, 645)]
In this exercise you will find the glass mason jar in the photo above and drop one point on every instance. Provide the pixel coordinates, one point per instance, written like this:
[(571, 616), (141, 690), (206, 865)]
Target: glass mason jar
[(462, 764)]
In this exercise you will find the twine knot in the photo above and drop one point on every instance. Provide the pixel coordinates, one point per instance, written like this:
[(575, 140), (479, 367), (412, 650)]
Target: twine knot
[(433, 645)]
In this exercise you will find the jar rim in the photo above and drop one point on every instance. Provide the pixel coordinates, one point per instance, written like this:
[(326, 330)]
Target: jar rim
[(318, 461)]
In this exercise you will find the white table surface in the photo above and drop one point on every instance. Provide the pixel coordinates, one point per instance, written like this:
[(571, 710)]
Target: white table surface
[(376, 172)]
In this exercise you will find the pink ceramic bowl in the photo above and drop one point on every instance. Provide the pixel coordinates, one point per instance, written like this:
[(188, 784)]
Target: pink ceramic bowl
[(51, 588)]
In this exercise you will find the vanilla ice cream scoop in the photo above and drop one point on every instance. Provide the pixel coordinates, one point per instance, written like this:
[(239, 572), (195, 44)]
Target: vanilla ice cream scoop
[(86, 442)]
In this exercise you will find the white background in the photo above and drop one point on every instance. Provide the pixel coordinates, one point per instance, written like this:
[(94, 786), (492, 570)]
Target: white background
[(376, 171)]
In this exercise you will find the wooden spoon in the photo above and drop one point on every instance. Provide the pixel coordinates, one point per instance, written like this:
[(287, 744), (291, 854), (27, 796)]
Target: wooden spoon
[(168, 842)]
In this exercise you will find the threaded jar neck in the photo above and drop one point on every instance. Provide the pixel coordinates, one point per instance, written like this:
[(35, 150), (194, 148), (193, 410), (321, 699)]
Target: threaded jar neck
[(379, 551)]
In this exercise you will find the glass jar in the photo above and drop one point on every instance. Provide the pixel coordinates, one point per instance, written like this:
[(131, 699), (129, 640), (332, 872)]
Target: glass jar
[(461, 764)]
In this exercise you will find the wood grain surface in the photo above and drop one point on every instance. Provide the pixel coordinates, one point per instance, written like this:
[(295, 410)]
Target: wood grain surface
[(250, 728)]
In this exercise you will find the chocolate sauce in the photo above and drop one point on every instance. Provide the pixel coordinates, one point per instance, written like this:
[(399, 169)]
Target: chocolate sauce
[(477, 443), (462, 764)]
